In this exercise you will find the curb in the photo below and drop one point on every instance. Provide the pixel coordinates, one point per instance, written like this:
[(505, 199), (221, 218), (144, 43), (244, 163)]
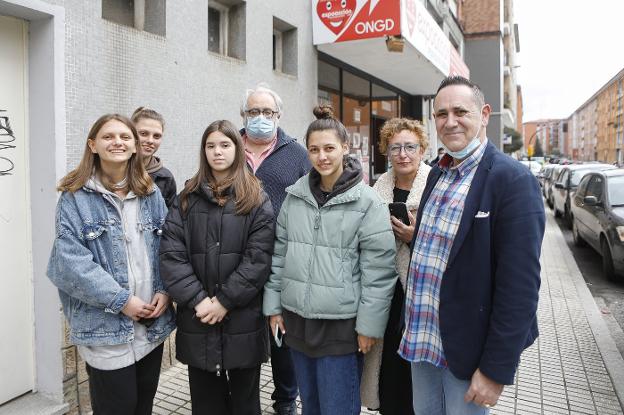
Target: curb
[(613, 361)]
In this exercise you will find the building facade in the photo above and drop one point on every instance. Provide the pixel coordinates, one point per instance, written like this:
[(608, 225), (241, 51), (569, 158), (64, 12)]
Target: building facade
[(66, 62), (549, 133), (491, 45), (595, 131)]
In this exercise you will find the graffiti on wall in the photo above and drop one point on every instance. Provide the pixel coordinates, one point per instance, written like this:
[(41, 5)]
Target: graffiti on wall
[(6, 139)]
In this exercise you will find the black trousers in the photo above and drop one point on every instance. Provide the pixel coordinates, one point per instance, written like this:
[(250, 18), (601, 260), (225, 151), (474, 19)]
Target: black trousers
[(284, 379), (235, 392), (395, 377), (126, 391)]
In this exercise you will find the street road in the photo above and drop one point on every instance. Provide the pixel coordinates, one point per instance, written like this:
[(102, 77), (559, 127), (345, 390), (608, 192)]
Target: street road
[(609, 296)]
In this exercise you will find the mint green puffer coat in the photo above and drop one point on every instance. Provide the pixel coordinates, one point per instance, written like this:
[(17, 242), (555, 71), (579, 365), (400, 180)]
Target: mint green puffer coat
[(333, 262)]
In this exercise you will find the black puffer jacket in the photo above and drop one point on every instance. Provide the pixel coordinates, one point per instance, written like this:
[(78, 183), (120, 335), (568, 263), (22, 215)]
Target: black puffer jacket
[(212, 251), (166, 183)]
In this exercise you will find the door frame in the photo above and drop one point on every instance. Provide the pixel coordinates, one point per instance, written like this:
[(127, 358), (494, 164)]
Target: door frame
[(46, 126)]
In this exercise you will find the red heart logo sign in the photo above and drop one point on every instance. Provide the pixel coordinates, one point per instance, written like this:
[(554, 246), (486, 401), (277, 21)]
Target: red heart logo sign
[(335, 13)]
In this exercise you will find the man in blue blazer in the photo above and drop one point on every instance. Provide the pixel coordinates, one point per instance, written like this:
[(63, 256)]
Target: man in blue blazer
[(474, 277)]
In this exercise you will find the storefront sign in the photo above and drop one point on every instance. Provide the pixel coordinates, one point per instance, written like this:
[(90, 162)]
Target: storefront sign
[(458, 67), (419, 28), (341, 20)]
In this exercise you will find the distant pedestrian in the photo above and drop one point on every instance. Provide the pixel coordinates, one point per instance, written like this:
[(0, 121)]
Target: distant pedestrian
[(104, 262), (386, 382), (474, 276), (215, 259), (150, 126), (278, 160), (441, 153), (333, 273)]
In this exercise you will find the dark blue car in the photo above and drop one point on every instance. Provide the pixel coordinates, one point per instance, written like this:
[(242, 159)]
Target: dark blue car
[(598, 218)]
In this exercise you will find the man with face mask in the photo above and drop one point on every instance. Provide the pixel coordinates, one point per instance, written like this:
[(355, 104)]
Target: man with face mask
[(474, 276), (278, 161)]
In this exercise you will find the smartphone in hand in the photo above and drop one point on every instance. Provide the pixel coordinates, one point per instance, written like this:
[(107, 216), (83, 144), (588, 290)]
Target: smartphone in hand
[(278, 336), (399, 211)]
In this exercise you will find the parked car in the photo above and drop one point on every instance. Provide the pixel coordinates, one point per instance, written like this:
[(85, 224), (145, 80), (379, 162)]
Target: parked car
[(598, 218), (544, 175), (566, 184), (549, 184), (534, 166)]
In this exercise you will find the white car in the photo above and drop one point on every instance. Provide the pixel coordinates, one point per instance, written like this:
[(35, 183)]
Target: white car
[(534, 166)]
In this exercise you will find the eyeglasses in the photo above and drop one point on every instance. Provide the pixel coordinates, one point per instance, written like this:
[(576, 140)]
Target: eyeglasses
[(410, 149), (266, 112)]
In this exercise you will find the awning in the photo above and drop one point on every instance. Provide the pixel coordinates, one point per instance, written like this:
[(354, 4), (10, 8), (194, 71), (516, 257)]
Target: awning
[(355, 32)]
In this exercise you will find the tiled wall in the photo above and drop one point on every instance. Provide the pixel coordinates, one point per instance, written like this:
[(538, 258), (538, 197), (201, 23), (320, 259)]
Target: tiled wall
[(115, 68)]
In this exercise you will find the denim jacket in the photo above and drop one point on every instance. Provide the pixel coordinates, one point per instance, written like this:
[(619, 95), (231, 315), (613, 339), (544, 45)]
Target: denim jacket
[(88, 264)]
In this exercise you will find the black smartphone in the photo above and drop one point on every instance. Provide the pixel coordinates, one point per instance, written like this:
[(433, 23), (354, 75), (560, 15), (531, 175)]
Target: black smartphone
[(399, 211)]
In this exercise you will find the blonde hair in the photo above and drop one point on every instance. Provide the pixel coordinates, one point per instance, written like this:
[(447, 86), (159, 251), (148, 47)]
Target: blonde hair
[(138, 181), (396, 125)]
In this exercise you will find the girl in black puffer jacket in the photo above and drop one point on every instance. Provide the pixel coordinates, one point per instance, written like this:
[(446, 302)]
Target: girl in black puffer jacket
[(215, 256)]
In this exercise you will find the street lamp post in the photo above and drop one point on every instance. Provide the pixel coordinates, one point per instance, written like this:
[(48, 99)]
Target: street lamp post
[(530, 150)]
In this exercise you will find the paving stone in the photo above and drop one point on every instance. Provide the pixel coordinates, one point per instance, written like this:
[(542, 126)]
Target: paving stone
[(562, 373), (160, 411), (174, 401), (171, 407)]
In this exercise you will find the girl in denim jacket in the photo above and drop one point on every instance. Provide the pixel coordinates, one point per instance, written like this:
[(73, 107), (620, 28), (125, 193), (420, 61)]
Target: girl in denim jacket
[(105, 264)]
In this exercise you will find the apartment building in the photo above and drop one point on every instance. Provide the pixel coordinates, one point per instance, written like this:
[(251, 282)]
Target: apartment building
[(491, 44)]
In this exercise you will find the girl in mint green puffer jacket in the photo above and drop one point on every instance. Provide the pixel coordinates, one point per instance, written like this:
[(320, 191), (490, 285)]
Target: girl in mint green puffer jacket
[(333, 272)]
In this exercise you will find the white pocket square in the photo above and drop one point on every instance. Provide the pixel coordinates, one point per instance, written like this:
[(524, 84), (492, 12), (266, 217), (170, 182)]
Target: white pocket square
[(480, 215)]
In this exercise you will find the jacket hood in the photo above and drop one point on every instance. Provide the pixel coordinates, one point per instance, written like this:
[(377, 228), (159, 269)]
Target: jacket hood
[(221, 194), (153, 165), (302, 190), (94, 184), (351, 175)]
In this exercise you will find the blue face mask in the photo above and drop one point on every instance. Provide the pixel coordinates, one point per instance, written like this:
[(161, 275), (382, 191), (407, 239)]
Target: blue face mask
[(260, 128), (466, 151)]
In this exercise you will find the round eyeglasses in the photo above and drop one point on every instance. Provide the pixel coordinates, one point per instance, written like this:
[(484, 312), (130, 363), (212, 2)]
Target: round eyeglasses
[(409, 148), (266, 112)]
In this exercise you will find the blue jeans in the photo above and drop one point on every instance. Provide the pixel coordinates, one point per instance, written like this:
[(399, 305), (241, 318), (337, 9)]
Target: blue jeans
[(329, 385), (437, 392)]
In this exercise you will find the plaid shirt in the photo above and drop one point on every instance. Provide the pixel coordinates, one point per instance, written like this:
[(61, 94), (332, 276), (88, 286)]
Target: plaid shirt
[(441, 216)]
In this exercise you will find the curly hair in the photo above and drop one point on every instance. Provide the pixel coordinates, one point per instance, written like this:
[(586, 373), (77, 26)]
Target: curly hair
[(395, 126)]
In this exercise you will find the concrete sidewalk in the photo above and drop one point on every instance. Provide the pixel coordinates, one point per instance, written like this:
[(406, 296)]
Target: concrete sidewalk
[(573, 368)]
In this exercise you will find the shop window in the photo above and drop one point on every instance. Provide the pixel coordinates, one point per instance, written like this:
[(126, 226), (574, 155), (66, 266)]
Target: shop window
[(147, 15), (356, 118), (284, 47), (226, 28), (384, 106), (329, 87)]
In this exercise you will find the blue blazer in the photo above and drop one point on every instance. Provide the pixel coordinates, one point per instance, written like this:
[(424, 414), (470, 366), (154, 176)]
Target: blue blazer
[(489, 292)]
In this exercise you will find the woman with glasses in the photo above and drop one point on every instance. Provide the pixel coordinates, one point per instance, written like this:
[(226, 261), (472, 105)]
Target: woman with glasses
[(386, 382)]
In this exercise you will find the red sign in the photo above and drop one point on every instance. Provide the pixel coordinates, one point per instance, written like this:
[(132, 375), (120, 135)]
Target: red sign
[(458, 66), (341, 20)]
